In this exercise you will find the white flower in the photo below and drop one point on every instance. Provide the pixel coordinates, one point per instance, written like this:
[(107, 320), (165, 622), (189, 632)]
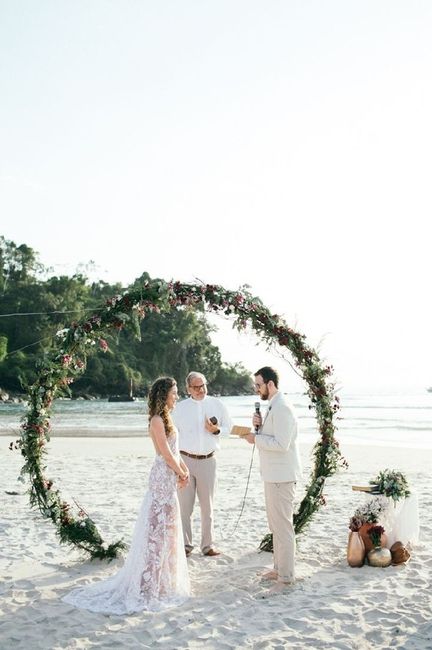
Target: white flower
[(62, 333), (376, 508)]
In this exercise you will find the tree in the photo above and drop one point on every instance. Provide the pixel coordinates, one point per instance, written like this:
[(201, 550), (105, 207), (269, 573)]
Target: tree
[(17, 263), (232, 379), (172, 343), (3, 347)]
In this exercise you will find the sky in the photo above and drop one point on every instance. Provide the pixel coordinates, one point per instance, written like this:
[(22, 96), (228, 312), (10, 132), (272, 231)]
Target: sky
[(285, 145)]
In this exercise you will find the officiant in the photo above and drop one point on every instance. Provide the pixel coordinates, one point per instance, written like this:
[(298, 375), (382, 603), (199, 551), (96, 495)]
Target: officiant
[(200, 420)]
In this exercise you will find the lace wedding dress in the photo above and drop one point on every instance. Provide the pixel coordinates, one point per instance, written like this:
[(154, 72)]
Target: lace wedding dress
[(155, 574)]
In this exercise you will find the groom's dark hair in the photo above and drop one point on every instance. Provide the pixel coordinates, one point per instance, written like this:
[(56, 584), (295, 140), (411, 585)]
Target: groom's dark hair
[(268, 374)]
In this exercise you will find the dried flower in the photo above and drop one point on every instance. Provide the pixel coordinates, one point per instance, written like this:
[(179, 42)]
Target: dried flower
[(372, 511), (355, 524), (375, 535)]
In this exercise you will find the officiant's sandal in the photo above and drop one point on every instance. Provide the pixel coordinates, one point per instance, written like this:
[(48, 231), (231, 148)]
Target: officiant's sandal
[(212, 552)]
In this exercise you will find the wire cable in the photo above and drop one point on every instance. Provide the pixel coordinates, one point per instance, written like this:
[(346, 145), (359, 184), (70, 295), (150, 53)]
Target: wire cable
[(244, 497), (48, 313)]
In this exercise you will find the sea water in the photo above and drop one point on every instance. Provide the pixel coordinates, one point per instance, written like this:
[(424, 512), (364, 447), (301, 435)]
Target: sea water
[(381, 420)]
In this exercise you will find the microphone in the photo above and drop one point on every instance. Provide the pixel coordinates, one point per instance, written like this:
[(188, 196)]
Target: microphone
[(257, 411)]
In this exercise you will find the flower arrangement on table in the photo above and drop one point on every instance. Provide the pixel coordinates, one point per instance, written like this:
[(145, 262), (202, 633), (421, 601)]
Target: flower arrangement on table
[(391, 483)]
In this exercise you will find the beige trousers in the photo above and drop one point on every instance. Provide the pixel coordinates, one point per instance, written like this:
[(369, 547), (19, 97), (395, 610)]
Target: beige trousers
[(202, 483), (279, 500)]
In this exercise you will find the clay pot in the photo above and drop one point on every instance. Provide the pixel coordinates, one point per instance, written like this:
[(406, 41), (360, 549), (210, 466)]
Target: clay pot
[(399, 553), (356, 552), (379, 556), (363, 532)]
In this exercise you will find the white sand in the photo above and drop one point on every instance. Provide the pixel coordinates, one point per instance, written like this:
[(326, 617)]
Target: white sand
[(330, 606)]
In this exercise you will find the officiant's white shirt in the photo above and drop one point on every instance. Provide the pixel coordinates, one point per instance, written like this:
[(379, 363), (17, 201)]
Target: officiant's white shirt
[(189, 417)]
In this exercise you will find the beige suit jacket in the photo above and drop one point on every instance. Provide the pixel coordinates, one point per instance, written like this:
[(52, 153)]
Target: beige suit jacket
[(277, 443)]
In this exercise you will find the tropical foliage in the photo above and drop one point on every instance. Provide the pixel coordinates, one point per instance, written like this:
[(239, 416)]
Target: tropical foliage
[(38, 305)]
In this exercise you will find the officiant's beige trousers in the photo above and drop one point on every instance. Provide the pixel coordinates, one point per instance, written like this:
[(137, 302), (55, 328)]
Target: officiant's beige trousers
[(202, 483), (279, 500)]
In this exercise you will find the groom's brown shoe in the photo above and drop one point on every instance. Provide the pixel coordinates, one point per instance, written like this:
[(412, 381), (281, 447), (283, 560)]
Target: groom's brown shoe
[(212, 552)]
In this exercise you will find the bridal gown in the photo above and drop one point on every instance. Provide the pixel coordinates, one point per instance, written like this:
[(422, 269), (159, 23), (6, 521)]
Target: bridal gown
[(155, 573)]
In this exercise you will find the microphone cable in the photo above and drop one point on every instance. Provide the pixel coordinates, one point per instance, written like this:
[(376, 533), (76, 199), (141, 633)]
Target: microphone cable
[(244, 497)]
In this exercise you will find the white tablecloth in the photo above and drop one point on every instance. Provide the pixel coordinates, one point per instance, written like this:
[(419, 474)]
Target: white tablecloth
[(402, 521)]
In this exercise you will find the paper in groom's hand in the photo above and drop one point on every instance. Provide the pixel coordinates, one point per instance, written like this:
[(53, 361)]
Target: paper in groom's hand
[(240, 431)]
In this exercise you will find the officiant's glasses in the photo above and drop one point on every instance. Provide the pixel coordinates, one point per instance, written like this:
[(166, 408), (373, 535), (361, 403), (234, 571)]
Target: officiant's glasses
[(200, 387)]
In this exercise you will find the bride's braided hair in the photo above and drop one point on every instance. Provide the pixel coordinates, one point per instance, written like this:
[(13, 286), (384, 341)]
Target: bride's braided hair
[(157, 398)]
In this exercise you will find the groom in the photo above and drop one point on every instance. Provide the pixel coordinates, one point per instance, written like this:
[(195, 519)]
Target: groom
[(280, 465)]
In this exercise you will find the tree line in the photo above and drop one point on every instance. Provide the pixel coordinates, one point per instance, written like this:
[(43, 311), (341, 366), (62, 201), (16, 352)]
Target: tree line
[(35, 305)]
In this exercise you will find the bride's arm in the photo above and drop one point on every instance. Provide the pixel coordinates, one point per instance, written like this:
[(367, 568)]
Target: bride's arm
[(157, 432)]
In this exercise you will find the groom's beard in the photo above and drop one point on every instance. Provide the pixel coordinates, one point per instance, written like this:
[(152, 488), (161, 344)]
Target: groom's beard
[(264, 395)]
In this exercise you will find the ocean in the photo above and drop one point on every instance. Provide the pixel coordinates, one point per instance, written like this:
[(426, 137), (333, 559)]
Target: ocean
[(379, 420)]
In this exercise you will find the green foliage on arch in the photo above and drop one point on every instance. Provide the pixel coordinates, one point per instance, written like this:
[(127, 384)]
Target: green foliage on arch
[(78, 341)]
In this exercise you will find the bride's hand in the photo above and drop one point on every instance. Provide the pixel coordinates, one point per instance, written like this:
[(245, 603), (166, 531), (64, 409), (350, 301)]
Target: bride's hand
[(183, 479)]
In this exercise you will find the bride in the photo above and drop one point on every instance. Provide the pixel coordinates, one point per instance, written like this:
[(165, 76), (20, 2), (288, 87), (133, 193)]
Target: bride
[(155, 574)]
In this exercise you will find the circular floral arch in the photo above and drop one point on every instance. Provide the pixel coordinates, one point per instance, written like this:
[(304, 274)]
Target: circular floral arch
[(73, 525)]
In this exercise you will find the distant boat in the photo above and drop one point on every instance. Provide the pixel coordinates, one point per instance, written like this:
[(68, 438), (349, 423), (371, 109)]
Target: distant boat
[(429, 390)]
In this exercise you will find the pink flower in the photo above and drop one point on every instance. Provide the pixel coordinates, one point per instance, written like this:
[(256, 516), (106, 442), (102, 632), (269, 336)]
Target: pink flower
[(103, 345)]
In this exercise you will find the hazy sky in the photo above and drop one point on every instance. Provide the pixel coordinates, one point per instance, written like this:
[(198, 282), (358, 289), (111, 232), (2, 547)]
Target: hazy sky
[(284, 145)]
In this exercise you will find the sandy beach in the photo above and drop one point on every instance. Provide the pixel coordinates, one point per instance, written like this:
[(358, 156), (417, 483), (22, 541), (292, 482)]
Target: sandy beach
[(330, 606)]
